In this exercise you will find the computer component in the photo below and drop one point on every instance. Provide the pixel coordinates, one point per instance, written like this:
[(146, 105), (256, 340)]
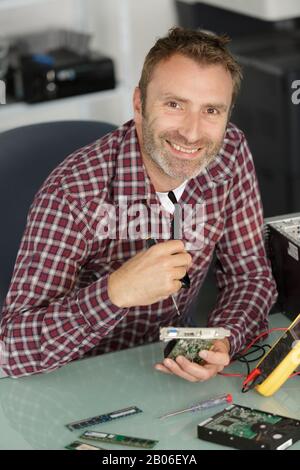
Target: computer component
[(173, 332), (61, 73), (247, 428), (222, 19), (282, 235), (188, 342), (119, 439), (268, 116), (57, 63), (77, 445), (190, 349), (83, 423)]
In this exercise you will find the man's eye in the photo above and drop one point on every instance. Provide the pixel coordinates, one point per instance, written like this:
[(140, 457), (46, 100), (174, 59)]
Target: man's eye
[(173, 104), (212, 111)]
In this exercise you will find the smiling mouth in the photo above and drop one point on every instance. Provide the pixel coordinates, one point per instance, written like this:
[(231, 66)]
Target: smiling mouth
[(183, 150)]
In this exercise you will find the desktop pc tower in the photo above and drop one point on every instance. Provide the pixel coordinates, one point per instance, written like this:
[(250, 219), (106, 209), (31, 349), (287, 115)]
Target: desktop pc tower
[(269, 117)]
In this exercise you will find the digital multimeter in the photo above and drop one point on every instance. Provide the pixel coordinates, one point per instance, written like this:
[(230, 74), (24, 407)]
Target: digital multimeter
[(277, 364)]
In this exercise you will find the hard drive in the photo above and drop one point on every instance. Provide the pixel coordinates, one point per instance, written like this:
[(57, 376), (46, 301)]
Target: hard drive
[(248, 428)]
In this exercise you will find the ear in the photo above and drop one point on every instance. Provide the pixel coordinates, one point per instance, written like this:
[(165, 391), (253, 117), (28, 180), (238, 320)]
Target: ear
[(137, 105)]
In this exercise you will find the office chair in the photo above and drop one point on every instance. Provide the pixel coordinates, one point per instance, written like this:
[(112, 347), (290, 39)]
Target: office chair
[(27, 156)]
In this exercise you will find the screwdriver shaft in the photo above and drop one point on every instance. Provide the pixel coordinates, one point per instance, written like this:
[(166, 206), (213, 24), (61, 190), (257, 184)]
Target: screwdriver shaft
[(175, 305), (227, 398)]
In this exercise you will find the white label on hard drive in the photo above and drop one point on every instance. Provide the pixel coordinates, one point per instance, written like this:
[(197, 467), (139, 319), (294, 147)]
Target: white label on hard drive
[(285, 445), (293, 251), (208, 420)]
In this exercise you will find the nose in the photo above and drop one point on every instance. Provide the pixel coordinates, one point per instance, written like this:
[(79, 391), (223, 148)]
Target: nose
[(191, 126)]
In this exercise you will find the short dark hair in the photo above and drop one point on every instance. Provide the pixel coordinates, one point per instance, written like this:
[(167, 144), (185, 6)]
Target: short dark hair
[(203, 47)]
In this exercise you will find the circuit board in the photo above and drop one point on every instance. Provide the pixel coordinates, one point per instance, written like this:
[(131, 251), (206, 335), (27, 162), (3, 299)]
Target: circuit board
[(174, 332), (119, 439), (77, 445), (83, 423), (188, 348), (246, 428)]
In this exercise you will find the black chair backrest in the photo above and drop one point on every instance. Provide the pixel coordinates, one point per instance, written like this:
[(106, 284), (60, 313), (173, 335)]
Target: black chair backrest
[(27, 156)]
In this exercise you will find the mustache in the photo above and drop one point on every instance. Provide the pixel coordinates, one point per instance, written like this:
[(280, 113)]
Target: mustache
[(177, 138)]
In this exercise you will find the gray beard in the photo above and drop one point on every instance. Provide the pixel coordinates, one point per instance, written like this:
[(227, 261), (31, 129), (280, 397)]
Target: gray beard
[(171, 166)]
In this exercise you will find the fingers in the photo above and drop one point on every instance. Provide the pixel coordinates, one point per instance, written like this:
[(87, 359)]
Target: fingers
[(198, 372), (162, 368), (174, 368), (176, 286), (179, 273), (169, 247), (181, 260), (176, 248), (215, 357), (188, 370)]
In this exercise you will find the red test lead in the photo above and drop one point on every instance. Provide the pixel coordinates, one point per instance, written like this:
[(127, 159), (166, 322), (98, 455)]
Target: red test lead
[(250, 379)]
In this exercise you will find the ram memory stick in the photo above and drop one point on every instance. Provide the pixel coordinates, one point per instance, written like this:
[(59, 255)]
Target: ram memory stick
[(77, 445), (84, 423), (119, 439)]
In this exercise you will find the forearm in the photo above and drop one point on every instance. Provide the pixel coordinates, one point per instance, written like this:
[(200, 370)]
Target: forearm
[(43, 338), (242, 307)]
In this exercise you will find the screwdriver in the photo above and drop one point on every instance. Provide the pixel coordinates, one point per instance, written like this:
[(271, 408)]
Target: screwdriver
[(219, 400), (150, 242)]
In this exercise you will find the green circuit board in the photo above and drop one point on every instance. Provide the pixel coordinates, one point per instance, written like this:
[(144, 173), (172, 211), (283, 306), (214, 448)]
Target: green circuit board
[(77, 445), (188, 348), (119, 439)]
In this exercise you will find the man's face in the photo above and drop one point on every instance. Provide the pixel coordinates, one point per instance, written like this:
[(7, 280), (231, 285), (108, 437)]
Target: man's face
[(185, 118)]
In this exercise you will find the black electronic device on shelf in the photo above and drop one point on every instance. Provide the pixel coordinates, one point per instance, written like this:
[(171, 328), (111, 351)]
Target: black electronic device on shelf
[(57, 63), (62, 73)]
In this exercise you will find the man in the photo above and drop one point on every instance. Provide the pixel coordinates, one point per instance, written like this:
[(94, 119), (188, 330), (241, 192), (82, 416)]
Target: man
[(76, 291)]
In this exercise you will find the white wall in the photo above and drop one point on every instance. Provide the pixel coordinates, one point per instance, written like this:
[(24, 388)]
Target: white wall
[(123, 29), (128, 28), (35, 16)]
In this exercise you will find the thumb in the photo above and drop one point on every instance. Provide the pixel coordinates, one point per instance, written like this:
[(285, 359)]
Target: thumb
[(215, 357)]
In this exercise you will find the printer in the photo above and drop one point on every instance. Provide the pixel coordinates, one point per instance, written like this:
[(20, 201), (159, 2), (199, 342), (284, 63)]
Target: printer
[(63, 73), (56, 64)]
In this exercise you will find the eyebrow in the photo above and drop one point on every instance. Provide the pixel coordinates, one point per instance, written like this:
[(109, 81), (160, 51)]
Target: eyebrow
[(220, 106), (169, 96)]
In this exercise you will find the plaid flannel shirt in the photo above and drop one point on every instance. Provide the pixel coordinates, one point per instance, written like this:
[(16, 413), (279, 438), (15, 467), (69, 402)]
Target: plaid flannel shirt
[(58, 309)]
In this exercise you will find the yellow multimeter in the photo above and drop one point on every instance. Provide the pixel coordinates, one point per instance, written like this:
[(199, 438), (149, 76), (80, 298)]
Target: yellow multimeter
[(277, 364)]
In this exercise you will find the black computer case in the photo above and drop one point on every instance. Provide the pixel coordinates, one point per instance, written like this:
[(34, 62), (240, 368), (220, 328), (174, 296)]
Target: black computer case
[(269, 52), (271, 121), (282, 236)]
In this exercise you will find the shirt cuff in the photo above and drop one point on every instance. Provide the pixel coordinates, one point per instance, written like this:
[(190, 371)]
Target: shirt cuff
[(96, 306), (236, 338)]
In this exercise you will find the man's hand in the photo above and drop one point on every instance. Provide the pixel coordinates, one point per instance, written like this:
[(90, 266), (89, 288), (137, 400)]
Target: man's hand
[(150, 276), (216, 359)]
